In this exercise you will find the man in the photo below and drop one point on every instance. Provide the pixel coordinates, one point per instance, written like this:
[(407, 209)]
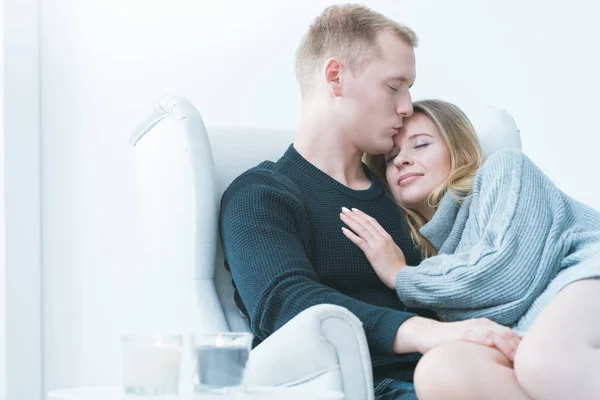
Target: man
[(280, 223)]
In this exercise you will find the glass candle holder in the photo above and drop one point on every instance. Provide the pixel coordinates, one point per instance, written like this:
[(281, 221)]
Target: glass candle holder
[(220, 359), (151, 364)]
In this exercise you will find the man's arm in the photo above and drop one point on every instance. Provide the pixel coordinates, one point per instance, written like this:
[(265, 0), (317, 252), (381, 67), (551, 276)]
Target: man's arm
[(263, 228)]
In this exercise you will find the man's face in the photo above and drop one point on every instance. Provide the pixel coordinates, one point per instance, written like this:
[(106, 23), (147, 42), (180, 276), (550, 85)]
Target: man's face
[(376, 99)]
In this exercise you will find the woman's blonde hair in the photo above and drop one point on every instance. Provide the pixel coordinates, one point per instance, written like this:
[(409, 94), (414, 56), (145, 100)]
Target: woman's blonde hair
[(465, 157)]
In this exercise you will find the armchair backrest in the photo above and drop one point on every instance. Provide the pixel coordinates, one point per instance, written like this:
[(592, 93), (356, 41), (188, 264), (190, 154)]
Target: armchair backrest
[(183, 170), (235, 151), (182, 173), (180, 199)]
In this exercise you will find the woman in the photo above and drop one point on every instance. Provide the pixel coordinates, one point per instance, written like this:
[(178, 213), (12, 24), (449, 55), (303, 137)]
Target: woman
[(500, 241)]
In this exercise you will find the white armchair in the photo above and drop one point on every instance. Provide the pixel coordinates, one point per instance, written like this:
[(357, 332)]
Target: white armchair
[(325, 346), (184, 169)]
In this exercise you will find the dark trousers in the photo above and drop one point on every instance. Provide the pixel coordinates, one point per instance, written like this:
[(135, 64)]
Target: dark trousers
[(390, 389)]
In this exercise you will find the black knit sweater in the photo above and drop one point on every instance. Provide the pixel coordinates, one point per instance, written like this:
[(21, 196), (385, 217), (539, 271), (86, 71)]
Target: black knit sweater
[(282, 238)]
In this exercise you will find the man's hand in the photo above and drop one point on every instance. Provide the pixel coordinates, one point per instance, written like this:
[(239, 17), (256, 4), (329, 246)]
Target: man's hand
[(422, 334), (385, 256)]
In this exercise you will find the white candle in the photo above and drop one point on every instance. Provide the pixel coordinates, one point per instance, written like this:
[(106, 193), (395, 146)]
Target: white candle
[(151, 364)]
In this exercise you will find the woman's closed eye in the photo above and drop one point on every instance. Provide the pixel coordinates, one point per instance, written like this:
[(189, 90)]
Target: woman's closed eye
[(418, 146)]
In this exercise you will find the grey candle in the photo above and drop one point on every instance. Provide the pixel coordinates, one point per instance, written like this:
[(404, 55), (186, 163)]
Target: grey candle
[(220, 366), (220, 359)]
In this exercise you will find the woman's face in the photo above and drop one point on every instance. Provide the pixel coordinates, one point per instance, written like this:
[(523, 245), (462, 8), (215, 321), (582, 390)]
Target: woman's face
[(418, 164)]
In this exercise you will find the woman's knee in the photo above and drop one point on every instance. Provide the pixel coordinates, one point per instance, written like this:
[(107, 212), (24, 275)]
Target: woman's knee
[(434, 375), (545, 372), (446, 372), (551, 358)]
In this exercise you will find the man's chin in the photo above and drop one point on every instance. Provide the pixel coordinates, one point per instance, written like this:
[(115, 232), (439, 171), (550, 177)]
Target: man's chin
[(380, 149)]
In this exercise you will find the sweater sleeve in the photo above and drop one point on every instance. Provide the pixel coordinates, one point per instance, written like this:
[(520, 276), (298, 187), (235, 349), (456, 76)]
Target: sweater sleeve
[(265, 236), (515, 211)]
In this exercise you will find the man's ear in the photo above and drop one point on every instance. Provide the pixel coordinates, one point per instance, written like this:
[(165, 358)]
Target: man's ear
[(333, 76)]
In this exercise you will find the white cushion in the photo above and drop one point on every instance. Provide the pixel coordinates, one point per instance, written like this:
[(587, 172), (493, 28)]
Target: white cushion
[(496, 129)]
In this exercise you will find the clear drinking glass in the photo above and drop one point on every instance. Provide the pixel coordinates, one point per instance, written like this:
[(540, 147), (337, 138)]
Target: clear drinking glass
[(219, 359), (151, 364)]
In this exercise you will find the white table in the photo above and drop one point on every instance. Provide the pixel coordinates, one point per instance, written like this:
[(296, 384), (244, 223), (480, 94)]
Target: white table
[(253, 393)]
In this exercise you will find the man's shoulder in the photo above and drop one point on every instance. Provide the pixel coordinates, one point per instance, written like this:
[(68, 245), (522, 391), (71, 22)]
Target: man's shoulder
[(266, 168), (268, 176)]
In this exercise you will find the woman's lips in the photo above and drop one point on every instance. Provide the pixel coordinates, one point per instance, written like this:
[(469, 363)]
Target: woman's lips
[(407, 179)]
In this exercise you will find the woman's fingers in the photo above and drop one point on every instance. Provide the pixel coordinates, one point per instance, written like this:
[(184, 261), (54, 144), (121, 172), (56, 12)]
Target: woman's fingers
[(355, 239), (369, 220), (513, 340), (505, 344), (494, 335), (369, 224), (356, 227), (506, 336), (359, 226)]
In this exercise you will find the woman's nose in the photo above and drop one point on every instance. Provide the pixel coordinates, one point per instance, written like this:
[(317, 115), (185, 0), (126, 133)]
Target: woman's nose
[(402, 160)]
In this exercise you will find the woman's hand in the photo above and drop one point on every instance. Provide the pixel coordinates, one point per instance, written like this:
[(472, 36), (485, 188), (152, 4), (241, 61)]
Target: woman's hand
[(385, 256), (422, 334)]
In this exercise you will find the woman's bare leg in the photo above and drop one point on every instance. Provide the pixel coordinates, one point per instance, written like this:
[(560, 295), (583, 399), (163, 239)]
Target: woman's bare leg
[(462, 370), (559, 357)]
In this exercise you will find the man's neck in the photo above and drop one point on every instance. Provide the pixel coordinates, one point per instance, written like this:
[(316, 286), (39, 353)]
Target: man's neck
[(324, 145)]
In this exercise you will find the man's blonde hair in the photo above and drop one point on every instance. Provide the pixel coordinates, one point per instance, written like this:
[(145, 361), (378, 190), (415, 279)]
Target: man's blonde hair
[(466, 157), (347, 32)]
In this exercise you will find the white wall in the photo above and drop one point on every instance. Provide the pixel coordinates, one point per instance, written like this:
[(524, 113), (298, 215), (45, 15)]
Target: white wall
[(20, 241), (104, 62), (3, 388)]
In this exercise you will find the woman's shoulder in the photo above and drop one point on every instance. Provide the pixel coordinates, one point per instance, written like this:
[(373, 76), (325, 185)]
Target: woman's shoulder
[(505, 159), (501, 174), (504, 164)]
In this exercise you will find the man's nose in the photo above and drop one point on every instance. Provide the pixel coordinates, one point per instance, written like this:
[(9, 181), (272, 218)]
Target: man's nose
[(404, 108)]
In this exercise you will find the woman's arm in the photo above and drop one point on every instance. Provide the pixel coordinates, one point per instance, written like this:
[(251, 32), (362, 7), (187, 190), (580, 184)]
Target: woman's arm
[(517, 218), (419, 334)]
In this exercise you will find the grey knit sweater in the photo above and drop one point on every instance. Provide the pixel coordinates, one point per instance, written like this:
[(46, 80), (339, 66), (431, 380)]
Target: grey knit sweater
[(506, 250)]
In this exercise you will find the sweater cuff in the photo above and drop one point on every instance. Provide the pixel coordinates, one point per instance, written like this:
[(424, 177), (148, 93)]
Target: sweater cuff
[(385, 328), (405, 284)]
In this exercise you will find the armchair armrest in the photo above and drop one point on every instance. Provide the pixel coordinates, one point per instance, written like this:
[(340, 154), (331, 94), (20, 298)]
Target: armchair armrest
[(322, 347)]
